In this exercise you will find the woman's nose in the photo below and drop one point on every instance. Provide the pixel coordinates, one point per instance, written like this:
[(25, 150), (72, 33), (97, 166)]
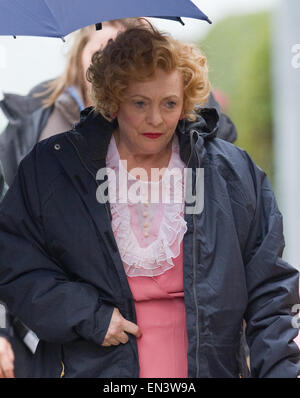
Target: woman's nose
[(154, 116)]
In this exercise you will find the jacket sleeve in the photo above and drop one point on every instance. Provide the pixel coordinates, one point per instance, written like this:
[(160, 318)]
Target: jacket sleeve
[(32, 283), (272, 289)]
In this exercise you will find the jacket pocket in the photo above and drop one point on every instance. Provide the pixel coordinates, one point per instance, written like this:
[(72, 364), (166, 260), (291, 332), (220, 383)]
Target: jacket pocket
[(85, 359)]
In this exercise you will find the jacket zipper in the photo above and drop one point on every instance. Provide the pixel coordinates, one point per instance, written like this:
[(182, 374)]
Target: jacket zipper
[(195, 298), (194, 270)]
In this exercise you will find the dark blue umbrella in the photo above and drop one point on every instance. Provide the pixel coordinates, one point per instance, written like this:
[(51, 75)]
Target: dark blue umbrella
[(57, 18)]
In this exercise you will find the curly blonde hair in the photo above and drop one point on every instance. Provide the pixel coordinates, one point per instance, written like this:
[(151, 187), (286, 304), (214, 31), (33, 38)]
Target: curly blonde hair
[(135, 54)]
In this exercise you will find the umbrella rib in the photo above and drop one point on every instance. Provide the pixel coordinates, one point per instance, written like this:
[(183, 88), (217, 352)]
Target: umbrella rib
[(55, 19)]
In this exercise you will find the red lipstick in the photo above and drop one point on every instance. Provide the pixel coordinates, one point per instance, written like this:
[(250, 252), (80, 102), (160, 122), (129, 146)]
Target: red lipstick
[(153, 136)]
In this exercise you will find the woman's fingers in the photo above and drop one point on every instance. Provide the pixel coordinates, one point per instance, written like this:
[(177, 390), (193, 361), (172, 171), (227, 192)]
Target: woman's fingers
[(123, 338), (114, 341), (132, 328), (117, 328)]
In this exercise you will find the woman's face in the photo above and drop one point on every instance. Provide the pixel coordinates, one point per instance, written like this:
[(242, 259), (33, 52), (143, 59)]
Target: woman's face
[(149, 115)]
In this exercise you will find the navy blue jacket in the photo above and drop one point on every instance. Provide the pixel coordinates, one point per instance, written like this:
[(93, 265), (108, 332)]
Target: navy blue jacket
[(61, 271)]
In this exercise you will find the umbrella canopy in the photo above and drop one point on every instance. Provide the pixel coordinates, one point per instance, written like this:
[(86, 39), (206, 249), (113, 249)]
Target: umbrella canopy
[(57, 18)]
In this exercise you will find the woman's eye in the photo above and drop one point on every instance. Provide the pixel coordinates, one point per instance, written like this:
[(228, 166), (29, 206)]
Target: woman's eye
[(170, 104), (139, 104)]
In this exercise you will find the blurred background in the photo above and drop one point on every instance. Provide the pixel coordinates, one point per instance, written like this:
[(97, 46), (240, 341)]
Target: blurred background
[(253, 50)]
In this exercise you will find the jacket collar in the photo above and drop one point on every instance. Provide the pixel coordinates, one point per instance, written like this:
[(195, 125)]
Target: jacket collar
[(94, 134), (193, 135)]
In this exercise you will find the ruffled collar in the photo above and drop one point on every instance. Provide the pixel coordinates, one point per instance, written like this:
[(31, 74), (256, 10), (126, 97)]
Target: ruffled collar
[(153, 253)]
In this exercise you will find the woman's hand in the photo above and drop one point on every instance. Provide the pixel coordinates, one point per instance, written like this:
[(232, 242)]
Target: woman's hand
[(118, 329), (6, 359)]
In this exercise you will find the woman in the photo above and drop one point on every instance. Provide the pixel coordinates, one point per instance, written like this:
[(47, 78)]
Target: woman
[(103, 304)]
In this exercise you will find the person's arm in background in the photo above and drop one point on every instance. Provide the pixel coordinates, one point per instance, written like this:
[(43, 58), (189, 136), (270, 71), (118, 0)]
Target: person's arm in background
[(6, 352)]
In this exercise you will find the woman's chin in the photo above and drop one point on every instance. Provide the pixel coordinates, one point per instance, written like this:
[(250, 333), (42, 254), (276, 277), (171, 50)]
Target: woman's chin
[(152, 149), (153, 146)]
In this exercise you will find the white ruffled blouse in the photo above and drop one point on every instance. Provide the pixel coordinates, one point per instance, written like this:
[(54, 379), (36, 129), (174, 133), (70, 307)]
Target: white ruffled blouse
[(147, 217)]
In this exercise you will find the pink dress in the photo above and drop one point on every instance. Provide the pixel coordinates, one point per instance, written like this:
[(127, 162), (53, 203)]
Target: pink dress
[(149, 237), (159, 304)]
